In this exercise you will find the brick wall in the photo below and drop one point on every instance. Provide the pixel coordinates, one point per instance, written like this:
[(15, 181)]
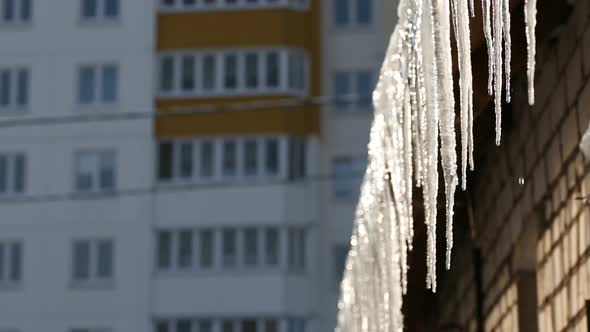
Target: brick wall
[(534, 237)]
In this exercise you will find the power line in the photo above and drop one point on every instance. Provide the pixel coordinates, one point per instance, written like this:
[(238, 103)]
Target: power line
[(169, 188), (103, 116)]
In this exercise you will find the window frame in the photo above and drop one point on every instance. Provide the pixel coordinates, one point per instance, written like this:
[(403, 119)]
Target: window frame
[(17, 20), (8, 246), (219, 89), (99, 154), (261, 174), (261, 261), (353, 101), (93, 280), (222, 5), (100, 18), (98, 103), (353, 179), (14, 107), (353, 21), (10, 180)]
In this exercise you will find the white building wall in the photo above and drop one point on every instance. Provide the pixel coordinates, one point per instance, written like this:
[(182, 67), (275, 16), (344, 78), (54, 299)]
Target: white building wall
[(344, 134), (48, 220)]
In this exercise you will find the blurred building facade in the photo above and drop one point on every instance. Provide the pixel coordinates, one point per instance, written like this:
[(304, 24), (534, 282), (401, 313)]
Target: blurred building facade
[(221, 201)]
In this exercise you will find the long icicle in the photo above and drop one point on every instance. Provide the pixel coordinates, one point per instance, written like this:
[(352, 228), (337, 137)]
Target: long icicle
[(447, 116), (498, 14), (507, 47), (463, 38), (530, 18), (487, 29)]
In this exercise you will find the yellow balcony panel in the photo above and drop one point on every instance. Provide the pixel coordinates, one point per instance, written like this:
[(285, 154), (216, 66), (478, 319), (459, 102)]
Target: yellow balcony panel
[(300, 120), (243, 28)]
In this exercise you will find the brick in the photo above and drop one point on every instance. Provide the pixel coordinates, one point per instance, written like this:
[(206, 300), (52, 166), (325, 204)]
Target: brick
[(530, 154), (546, 77), (543, 131), (558, 106), (540, 182), (527, 199), (567, 42), (504, 202), (572, 176), (584, 107), (553, 160), (574, 77), (586, 52), (569, 134), (581, 15)]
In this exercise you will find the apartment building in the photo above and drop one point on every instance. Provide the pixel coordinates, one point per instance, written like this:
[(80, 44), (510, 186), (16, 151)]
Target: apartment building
[(160, 170)]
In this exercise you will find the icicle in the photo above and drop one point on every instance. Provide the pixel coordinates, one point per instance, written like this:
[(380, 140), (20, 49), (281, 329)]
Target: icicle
[(431, 75), (463, 38), (507, 47), (498, 77), (487, 29), (530, 17), (447, 109)]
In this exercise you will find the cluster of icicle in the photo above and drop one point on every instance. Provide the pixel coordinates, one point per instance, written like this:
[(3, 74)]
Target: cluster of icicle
[(415, 121)]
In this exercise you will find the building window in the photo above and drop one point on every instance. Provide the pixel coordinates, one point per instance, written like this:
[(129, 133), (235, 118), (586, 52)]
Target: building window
[(297, 72), (348, 174), (207, 159), (251, 157), (272, 159), (225, 159), (13, 173), (99, 10), (295, 325), (14, 89), (353, 90), (167, 74), (251, 247), (188, 249), (11, 263), (229, 251), (209, 70), (353, 13), (92, 262), (176, 250), (339, 254), (16, 12), (189, 74), (208, 5), (297, 158), (98, 85), (95, 171), (236, 72), (252, 71), (273, 78), (230, 158), (227, 324), (230, 70)]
